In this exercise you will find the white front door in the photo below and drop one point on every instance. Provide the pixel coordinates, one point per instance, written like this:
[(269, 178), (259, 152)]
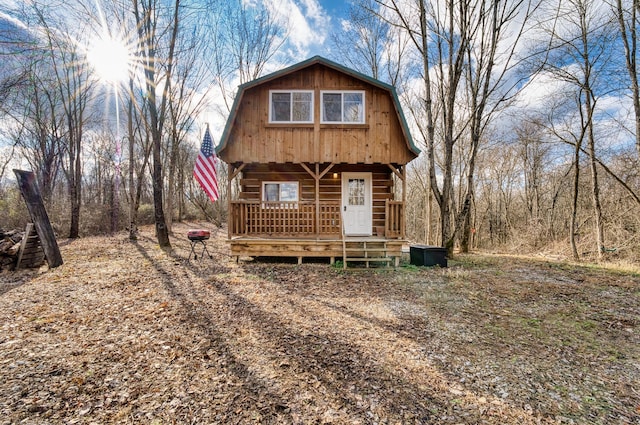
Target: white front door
[(356, 203)]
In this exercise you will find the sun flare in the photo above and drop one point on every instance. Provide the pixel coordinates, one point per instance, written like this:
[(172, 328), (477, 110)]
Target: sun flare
[(110, 58)]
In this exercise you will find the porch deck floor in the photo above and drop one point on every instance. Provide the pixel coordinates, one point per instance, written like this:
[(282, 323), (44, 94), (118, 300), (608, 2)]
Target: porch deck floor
[(312, 238), (328, 246)]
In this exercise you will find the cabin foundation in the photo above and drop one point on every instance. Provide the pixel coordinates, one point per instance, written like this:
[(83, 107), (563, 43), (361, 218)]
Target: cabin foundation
[(368, 251)]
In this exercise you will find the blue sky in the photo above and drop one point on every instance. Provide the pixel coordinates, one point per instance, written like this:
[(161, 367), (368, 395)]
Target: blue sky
[(311, 22), (335, 7)]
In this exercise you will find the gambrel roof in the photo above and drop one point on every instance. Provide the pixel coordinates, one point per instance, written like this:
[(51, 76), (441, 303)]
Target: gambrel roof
[(317, 60)]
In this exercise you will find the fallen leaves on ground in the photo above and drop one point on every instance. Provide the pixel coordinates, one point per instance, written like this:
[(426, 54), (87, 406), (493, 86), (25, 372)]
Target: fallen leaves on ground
[(124, 333)]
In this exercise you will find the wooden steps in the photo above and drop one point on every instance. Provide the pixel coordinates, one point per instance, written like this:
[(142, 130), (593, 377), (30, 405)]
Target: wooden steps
[(369, 251)]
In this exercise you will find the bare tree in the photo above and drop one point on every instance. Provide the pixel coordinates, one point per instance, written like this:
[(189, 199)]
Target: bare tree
[(188, 100), (243, 36), (39, 127), (561, 126), (467, 62), (74, 86), (628, 16), (441, 41), (139, 147), (158, 28), (489, 80), (579, 54), (371, 45), (5, 159), (31, 105), (533, 152), (15, 45), (253, 36)]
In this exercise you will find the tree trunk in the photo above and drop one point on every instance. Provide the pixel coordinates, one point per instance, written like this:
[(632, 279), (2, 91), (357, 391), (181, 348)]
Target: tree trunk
[(466, 234), (595, 187), (75, 192), (162, 232), (574, 204), (156, 113), (170, 194), (445, 205), (181, 188), (427, 213), (590, 105), (629, 41), (171, 183), (463, 222), (133, 206)]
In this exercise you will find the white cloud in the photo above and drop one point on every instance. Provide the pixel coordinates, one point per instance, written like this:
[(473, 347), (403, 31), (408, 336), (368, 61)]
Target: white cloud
[(539, 91), (307, 21), (615, 122), (346, 25), (13, 21)]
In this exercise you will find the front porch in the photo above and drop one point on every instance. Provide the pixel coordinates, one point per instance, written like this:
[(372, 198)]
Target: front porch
[(307, 230), (319, 221)]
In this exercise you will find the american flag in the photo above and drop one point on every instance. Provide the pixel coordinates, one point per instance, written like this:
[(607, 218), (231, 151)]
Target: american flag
[(205, 169)]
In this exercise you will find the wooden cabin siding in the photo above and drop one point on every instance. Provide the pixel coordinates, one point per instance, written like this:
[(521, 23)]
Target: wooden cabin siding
[(330, 187), (254, 140), (317, 156)]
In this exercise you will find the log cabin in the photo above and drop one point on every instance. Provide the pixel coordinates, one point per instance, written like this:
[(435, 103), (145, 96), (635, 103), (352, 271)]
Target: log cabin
[(317, 154)]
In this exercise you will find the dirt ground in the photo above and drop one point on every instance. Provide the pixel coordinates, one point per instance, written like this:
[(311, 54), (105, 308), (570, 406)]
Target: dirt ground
[(124, 333)]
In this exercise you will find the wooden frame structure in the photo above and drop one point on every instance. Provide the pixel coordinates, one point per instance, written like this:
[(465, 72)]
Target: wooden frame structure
[(35, 206), (320, 157)]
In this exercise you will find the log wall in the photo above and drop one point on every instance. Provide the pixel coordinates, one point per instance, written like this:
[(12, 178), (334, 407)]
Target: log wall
[(330, 187)]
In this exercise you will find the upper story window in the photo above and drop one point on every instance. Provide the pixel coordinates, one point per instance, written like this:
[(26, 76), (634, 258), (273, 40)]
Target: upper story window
[(290, 106), (342, 107)]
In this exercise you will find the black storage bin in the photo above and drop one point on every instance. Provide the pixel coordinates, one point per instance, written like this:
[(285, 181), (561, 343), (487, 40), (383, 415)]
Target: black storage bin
[(425, 255)]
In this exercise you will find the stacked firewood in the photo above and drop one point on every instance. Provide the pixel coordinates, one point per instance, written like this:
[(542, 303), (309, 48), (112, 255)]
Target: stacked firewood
[(9, 248)]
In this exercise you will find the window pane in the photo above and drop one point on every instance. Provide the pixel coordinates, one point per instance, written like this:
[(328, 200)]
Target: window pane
[(302, 97), (353, 107), (356, 191), (281, 106), (353, 97), (271, 192), (288, 191), (301, 107), (332, 103)]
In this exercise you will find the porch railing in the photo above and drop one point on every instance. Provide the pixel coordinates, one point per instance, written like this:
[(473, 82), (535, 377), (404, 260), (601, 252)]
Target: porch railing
[(283, 218), (394, 223)]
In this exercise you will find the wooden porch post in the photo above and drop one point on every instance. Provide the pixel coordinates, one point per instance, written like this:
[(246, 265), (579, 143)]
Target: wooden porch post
[(231, 175), (229, 216), (317, 175), (402, 175), (404, 200)]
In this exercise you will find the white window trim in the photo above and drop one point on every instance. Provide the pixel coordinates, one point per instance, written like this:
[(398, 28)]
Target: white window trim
[(271, 121), (342, 92), (265, 183)]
